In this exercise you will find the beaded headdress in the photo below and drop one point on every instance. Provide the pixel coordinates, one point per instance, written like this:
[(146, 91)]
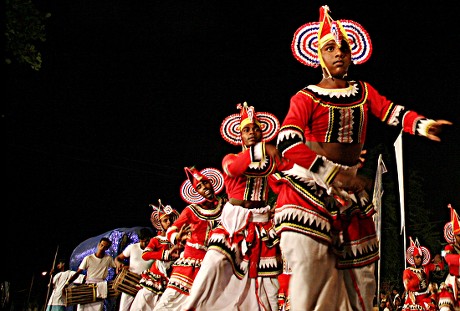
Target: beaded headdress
[(230, 128), (310, 37), (161, 211), (416, 250), (452, 228), (188, 189)]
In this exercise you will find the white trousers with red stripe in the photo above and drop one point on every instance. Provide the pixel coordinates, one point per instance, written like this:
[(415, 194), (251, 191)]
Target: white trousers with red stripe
[(361, 287), (315, 284)]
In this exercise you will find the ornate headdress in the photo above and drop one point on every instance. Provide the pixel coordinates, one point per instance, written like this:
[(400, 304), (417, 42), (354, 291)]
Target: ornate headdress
[(230, 128), (309, 38), (188, 189), (161, 211), (416, 250), (452, 228)]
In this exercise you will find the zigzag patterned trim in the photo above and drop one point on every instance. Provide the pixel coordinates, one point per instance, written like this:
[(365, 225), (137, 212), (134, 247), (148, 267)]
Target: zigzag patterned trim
[(188, 262), (270, 266), (422, 125), (205, 214), (180, 283), (154, 283), (309, 190), (299, 219), (218, 243), (360, 255)]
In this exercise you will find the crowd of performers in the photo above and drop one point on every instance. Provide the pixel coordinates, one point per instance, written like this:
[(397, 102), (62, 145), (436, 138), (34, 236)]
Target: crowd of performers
[(429, 284), (315, 248)]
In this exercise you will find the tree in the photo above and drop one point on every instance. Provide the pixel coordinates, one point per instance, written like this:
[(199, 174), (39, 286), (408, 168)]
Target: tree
[(25, 28), (419, 220), (391, 259)]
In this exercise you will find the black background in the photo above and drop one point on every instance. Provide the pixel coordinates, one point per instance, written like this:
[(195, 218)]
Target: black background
[(130, 92)]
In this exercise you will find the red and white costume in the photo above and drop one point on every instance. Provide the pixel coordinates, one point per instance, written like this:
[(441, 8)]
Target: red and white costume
[(449, 292), (246, 176), (309, 205), (240, 269), (154, 280), (184, 269), (449, 297), (416, 284), (416, 280)]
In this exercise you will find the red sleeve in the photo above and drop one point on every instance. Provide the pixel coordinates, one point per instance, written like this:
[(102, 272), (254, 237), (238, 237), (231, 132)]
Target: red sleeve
[(449, 249), (177, 225), (453, 260), (429, 268), (410, 280), (236, 164), (392, 114), (291, 139), (153, 250)]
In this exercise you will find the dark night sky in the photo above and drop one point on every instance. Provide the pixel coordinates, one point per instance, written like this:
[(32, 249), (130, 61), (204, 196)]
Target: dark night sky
[(130, 92)]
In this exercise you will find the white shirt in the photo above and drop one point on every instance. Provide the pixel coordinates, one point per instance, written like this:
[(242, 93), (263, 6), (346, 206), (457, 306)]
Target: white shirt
[(136, 263), (59, 280), (96, 268)]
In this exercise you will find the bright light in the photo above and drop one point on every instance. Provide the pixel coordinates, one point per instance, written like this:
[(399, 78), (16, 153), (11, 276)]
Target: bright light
[(44, 273)]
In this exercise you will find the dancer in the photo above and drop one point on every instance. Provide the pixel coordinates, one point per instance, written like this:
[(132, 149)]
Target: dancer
[(154, 280), (240, 269), (324, 214), (416, 279), (449, 294), (194, 226)]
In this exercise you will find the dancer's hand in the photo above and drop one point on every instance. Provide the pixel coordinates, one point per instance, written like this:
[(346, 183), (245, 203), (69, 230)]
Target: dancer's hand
[(435, 129)]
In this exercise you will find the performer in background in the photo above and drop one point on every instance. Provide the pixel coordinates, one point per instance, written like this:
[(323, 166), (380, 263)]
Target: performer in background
[(243, 261), (416, 279), (438, 270), (56, 301), (324, 214), (449, 295), (193, 227), (163, 253)]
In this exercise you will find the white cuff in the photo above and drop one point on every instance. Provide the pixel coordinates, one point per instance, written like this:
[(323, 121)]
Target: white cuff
[(423, 126)]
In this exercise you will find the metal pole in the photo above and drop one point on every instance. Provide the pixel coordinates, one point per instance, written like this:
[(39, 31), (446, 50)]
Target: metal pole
[(30, 290), (51, 279)]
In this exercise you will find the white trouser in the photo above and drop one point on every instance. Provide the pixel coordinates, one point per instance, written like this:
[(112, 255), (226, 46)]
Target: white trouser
[(145, 300), (361, 287), (217, 288), (170, 300), (94, 306), (125, 302), (315, 284)]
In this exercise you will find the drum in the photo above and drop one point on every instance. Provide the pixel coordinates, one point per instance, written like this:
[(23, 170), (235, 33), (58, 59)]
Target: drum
[(86, 293), (127, 282)]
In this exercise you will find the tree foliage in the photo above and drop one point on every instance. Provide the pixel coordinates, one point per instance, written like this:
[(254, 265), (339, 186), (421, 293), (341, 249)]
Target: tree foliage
[(25, 29), (418, 219)]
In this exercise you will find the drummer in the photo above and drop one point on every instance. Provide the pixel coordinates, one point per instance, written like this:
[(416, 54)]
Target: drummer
[(96, 266), (136, 263)]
